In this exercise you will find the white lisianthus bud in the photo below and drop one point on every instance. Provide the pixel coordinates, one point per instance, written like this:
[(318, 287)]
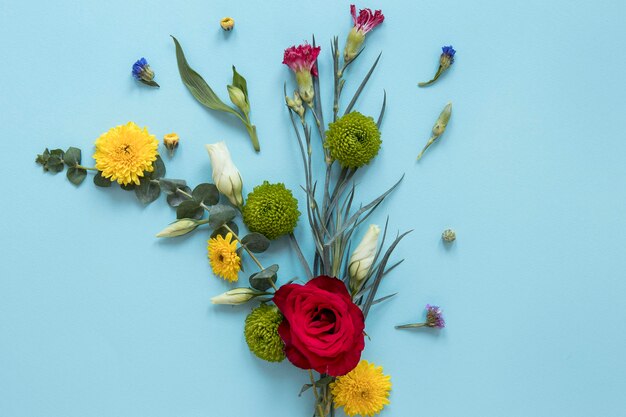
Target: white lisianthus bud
[(179, 228), (236, 296), (225, 174), (363, 256), (238, 98)]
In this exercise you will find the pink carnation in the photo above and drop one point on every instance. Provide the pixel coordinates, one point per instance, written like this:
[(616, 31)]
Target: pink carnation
[(366, 20), (302, 57)]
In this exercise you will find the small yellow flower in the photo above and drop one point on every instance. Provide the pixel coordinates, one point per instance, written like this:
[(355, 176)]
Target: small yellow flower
[(171, 142), (125, 153), (223, 257), (363, 391), (227, 23)]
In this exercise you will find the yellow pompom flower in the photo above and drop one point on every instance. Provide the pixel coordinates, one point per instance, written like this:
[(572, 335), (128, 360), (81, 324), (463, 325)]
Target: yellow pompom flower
[(223, 257), (125, 153), (363, 391)]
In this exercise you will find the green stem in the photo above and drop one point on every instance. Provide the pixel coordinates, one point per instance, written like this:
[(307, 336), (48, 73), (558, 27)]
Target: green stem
[(430, 142), (253, 136), (320, 410), (87, 168), (411, 326), (437, 74)]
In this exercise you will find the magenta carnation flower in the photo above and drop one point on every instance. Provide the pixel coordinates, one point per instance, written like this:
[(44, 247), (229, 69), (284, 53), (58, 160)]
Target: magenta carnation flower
[(301, 59), (364, 22)]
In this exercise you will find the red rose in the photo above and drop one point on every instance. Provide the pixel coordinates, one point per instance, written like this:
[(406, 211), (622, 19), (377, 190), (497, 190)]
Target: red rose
[(323, 328)]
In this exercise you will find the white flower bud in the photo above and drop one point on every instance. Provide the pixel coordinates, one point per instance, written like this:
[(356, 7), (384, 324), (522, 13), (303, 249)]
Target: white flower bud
[(236, 296), (225, 174), (179, 228), (363, 256)]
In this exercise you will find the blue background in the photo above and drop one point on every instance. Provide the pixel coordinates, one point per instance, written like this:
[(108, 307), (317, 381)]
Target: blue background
[(99, 318)]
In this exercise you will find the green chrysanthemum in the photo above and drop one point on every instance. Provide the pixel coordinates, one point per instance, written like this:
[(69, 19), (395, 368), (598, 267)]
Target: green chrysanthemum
[(353, 140), (271, 210), (261, 333)]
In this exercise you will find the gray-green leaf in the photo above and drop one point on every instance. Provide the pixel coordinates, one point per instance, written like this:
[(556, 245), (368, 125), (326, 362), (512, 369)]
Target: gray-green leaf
[(76, 175), (189, 209), (72, 157), (220, 214), (256, 242), (147, 191), (206, 193), (100, 181), (263, 280)]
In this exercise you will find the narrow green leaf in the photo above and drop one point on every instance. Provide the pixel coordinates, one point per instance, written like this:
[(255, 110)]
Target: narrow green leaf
[(147, 191), (256, 242), (220, 214), (240, 82), (76, 175), (362, 86), (100, 181), (72, 157), (304, 388), (197, 86), (206, 193), (382, 111), (189, 209)]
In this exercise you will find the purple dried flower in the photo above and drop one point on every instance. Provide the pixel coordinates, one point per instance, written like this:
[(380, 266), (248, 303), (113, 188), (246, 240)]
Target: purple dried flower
[(434, 317)]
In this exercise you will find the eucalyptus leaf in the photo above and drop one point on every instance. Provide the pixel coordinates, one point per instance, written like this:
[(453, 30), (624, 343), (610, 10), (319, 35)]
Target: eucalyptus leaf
[(128, 187), (57, 153), (174, 199), (223, 231), (72, 157), (159, 168), (100, 181), (147, 191), (54, 164), (256, 242), (170, 185), (76, 175), (189, 209), (206, 193), (220, 214), (263, 280)]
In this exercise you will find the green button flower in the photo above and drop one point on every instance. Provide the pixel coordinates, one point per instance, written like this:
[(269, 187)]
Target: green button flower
[(271, 210), (261, 333), (353, 140)]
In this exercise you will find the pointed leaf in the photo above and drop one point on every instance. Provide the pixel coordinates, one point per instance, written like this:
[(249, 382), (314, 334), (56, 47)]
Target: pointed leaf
[(362, 86), (240, 82)]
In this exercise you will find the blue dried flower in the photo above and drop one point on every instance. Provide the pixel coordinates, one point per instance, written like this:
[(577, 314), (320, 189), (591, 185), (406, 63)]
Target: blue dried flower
[(445, 61), (448, 54), (143, 73)]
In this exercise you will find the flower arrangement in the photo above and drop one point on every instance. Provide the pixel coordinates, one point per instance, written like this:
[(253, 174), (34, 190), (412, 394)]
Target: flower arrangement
[(316, 321)]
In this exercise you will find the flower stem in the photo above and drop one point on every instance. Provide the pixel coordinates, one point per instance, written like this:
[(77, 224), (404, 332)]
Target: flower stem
[(437, 74), (87, 168), (411, 326), (303, 261), (317, 396), (430, 142), (253, 136)]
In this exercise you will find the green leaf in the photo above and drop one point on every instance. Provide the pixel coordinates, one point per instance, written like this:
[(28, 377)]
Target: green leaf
[(174, 199), (57, 153), (206, 193), (128, 187), (147, 191), (220, 214), (76, 175), (240, 82), (54, 164), (360, 89), (42, 158), (189, 209), (170, 185), (72, 157), (150, 83), (263, 280), (256, 242), (197, 86), (100, 181), (223, 231), (159, 169), (304, 388)]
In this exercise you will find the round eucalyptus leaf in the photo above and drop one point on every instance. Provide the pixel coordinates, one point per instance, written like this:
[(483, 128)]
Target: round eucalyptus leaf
[(128, 187), (256, 242), (170, 185), (206, 193), (76, 175), (159, 168), (222, 231), (100, 181), (147, 191), (72, 157), (174, 199), (221, 214), (263, 280), (189, 210)]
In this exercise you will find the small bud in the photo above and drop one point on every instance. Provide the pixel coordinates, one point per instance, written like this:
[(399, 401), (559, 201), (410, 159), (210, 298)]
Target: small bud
[(363, 257), (448, 235), (434, 318), (171, 142), (238, 98), (446, 59), (179, 227), (227, 23), (295, 104), (143, 73), (236, 296), (438, 128)]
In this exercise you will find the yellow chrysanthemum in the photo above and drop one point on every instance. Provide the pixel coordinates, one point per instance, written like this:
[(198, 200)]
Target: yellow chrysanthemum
[(363, 391), (125, 153), (223, 257)]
